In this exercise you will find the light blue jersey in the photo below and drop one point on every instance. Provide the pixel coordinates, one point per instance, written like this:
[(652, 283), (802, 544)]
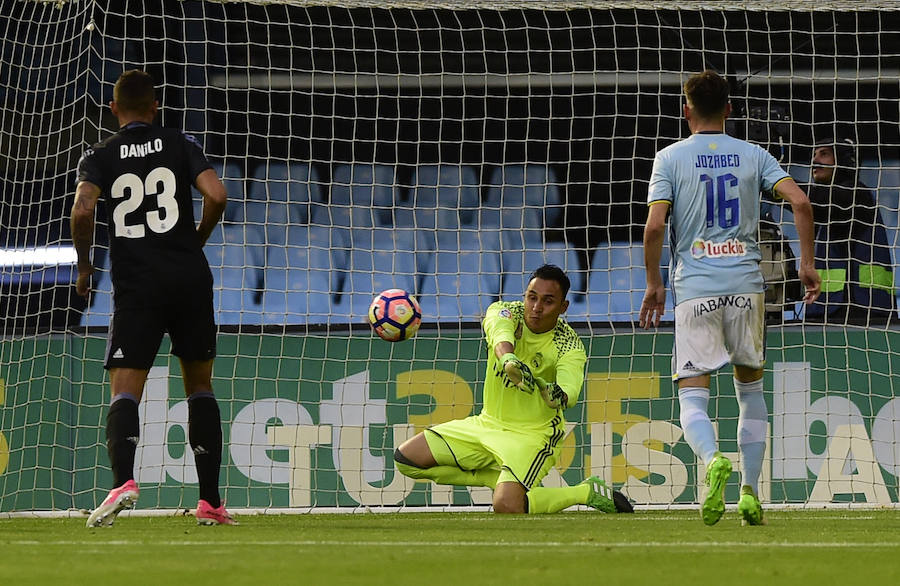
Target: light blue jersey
[(713, 183)]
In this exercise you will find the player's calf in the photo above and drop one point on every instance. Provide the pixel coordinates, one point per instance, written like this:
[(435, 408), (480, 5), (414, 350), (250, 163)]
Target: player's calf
[(510, 497)]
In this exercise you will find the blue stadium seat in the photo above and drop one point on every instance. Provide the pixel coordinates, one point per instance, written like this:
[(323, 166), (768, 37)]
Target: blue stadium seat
[(460, 285), (379, 259), (233, 179), (628, 281), (99, 313), (523, 200), (533, 186), (596, 304), (519, 264), (326, 257), (593, 307), (368, 191), (444, 198), (303, 277), (362, 200), (618, 281), (236, 262), (279, 195)]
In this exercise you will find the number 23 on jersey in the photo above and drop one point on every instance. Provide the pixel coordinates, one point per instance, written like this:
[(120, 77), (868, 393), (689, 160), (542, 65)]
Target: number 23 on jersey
[(160, 182)]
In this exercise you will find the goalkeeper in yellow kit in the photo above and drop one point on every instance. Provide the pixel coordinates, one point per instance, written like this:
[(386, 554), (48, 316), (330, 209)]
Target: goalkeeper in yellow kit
[(535, 370)]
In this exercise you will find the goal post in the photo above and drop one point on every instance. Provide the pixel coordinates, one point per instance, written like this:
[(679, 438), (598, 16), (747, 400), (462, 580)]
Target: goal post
[(446, 148)]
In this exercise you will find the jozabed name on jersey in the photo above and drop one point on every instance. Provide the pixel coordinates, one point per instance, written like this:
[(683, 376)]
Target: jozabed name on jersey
[(718, 161)]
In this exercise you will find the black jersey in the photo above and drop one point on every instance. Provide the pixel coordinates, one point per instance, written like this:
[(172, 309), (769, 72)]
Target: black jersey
[(145, 173)]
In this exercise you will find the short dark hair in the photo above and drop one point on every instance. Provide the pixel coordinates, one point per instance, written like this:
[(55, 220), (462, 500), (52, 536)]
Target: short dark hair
[(552, 273), (844, 148), (134, 92), (707, 93)]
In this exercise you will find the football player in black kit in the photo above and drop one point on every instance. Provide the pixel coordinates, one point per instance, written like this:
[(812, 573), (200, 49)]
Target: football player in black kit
[(161, 282)]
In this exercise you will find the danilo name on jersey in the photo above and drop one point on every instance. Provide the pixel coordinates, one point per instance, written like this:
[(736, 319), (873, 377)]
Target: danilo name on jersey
[(141, 150)]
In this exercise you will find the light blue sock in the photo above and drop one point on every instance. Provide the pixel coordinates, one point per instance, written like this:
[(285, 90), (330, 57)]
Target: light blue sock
[(698, 429), (751, 430)]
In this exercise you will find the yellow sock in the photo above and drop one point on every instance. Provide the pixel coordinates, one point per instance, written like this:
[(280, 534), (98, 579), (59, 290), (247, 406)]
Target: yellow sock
[(451, 475), (553, 500)]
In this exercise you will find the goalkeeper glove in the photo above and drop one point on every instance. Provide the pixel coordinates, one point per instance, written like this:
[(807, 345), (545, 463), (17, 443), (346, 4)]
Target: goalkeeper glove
[(518, 372), (552, 393), (520, 375)]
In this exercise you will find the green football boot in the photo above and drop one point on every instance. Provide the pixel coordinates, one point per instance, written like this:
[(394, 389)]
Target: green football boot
[(749, 507), (717, 474), (601, 497)]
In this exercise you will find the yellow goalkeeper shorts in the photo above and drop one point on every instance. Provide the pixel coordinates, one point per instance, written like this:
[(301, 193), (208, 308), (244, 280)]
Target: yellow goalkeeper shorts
[(474, 443)]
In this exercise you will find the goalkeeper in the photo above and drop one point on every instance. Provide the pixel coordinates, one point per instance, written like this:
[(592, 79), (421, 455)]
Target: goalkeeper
[(535, 370)]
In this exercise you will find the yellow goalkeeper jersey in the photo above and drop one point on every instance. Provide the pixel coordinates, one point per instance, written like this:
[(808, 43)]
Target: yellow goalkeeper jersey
[(555, 356)]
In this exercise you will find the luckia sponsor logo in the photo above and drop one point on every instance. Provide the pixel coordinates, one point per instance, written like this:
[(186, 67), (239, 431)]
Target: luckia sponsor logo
[(708, 248)]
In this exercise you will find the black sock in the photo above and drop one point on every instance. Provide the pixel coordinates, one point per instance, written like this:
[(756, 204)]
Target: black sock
[(122, 432), (205, 436)]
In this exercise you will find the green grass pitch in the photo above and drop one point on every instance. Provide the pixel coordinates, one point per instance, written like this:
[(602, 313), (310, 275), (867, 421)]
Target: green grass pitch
[(459, 549)]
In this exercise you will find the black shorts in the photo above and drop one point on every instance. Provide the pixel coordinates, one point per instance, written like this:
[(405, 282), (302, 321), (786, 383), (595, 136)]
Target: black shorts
[(135, 333)]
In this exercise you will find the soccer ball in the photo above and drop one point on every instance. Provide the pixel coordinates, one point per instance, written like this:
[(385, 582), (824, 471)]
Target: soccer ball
[(395, 315)]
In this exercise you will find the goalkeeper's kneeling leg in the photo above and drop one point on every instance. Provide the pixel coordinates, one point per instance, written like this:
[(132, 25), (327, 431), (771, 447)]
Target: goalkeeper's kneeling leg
[(407, 467), (446, 474)]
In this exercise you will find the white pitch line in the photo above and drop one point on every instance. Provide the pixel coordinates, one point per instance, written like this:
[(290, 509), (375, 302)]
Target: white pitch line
[(450, 544)]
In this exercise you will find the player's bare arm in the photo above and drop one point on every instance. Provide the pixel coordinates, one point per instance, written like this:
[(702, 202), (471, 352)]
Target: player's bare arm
[(788, 190), (654, 302), (82, 223), (214, 201)]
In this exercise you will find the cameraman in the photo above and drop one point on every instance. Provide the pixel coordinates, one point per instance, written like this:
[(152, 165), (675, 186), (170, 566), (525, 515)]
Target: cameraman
[(852, 252)]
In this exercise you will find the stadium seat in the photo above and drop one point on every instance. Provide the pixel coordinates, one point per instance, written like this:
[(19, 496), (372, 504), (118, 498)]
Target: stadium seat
[(526, 198), (460, 285), (99, 313), (368, 191), (519, 264), (628, 281), (279, 195), (535, 185), (302, 278), (379, 256), (235, 187), (444, 198), (379, 259), (362, 202), (366, 279), (323, 257), (618, 281), (236, 264), (596, 303)]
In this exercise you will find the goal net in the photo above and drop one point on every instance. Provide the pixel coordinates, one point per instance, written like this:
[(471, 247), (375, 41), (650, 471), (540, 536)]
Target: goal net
[(448, 149)]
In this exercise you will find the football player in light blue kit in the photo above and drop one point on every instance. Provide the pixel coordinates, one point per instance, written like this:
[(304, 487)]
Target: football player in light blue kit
[(709, 184)]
